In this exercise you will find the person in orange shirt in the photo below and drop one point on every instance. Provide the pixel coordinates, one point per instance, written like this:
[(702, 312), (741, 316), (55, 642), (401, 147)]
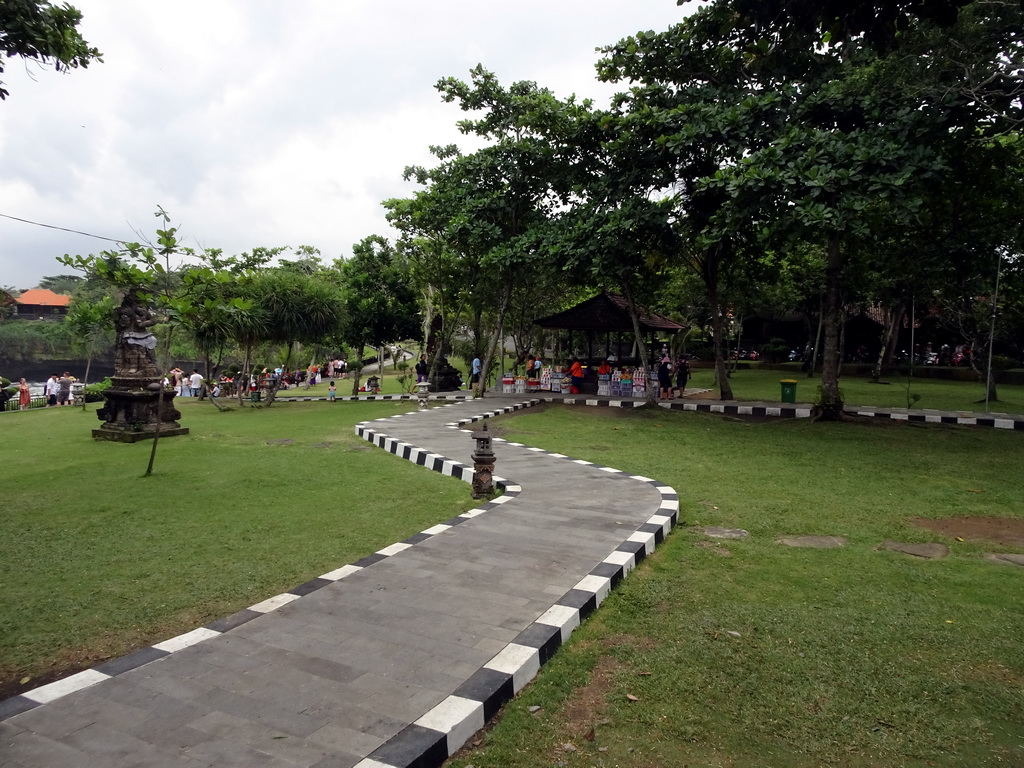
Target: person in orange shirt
[(604, 369), (576, 374)]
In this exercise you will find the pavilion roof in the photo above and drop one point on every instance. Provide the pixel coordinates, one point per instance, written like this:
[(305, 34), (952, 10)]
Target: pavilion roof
[(607, 312)]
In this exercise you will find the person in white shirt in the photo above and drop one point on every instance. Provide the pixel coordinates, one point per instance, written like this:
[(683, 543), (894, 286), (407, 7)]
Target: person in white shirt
[(51, 389), (196, 382)]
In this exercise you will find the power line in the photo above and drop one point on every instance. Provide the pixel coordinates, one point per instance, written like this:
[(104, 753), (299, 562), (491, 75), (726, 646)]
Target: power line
[(62, 229)]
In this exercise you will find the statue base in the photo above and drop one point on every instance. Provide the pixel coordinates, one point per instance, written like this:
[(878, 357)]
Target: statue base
[(133, 411)]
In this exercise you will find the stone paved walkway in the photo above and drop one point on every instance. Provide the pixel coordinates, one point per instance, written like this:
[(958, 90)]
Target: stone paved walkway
[(394, 660)]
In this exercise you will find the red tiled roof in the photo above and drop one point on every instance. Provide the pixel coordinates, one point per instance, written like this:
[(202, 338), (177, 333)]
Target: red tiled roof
[(43, 297)]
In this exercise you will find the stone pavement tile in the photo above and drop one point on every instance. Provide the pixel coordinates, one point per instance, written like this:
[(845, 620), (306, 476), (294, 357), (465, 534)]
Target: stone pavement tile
[(165, 708), (159, 732), (424, 673), (8, 730), (242, 683), (174, 676), (116, 746), (33, 750), (259, 711), (350, 712), (161, 760), (338, 761), (338, 738), (271, 626), (124, 690), (219, 753), (461, 670), (407, 709), (326, 669), (76, 711), (416, 642), (231, 651), (280, 745), (286, 642)]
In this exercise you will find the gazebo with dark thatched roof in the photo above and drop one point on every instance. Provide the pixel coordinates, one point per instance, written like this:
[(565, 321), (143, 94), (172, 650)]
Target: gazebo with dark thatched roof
[(605, 318)]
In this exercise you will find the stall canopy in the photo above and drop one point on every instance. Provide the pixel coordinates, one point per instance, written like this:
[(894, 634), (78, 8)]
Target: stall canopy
[(603, 317)]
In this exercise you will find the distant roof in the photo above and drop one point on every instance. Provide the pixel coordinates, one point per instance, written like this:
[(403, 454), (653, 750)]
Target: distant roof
[(607, 312), (43, 297)]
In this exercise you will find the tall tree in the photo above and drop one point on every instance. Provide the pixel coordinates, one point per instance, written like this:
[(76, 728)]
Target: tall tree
[(378, 300), (90, 324), (490, 205), (824, 140)]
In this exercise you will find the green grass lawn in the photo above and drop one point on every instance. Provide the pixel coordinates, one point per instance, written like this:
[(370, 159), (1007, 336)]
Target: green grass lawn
[(845, 657), (96, 561), (759, 384)]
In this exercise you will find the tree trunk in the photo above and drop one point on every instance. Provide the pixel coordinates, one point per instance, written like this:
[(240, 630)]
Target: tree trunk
[(979, 343), (499, 342), (210, 373), (357, 369), (242, 385), (85, 379), (717, 331), (830, 406), (816, 349), (890, 333), (634, 315)]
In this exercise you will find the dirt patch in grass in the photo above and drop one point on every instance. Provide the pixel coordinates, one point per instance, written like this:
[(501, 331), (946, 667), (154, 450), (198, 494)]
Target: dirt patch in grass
[(711, 547), (997, 673), (589, 702), (1007, 531)]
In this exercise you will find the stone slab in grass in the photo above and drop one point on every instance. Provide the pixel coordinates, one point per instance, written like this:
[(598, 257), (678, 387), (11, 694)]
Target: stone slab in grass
[(929, 551), (813, 542), (282, 441), (717, 532), (1004, 557)]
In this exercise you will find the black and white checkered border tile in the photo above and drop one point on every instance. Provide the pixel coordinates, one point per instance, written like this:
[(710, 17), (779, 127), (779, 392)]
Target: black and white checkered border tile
[(733, 409), (442, 731), (1003, 421), (783, 411), (366, 398)]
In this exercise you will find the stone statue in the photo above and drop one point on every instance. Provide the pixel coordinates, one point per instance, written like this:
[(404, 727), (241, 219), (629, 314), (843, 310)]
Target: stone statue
[(134, 358), (138, 404)]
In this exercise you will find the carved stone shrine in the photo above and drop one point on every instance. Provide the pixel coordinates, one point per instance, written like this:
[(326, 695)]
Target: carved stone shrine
[(137, 403)]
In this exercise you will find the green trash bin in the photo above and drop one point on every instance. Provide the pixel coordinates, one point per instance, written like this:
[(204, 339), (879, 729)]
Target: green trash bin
[(788, 390)]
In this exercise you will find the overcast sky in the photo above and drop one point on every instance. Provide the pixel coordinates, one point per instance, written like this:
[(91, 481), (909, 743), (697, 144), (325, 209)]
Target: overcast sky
[(260, 123)]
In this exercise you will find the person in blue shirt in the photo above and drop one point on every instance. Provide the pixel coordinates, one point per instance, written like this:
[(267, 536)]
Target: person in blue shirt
[(474, 378)]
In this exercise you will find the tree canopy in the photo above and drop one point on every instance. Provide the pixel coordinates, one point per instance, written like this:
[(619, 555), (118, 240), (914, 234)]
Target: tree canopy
[(42, 32)]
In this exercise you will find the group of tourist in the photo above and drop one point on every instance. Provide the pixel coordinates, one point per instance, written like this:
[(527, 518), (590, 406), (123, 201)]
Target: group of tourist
[(57, 391), (666, 370), (184, 386)]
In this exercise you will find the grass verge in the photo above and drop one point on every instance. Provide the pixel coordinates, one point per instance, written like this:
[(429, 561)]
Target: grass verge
[(96, 560), (748, 653)]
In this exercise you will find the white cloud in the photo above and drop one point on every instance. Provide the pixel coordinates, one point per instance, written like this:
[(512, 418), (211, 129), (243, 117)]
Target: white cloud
[(259, 123)]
